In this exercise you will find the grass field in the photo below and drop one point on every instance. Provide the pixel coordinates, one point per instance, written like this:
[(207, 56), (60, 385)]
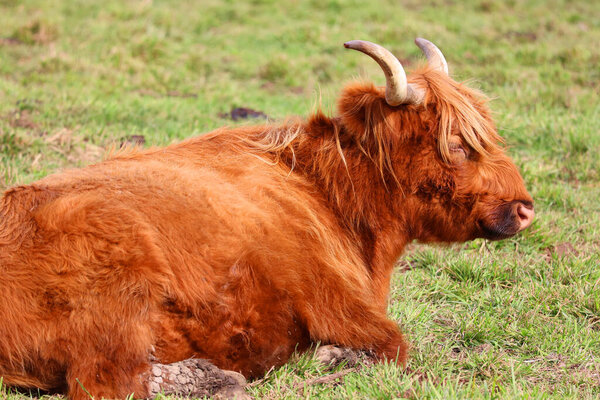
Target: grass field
[(513, 319)]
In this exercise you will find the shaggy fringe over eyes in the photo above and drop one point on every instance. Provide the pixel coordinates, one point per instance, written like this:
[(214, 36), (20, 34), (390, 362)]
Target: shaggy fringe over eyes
[(462, 109)]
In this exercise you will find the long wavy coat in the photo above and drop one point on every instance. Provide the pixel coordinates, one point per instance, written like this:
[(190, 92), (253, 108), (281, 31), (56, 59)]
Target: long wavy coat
[(243, 245)]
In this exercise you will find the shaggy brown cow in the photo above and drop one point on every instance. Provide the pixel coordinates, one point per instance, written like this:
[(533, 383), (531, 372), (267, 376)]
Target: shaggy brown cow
[(245, 244)]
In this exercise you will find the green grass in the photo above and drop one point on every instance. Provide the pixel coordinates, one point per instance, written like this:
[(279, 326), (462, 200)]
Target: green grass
[(513, 319)]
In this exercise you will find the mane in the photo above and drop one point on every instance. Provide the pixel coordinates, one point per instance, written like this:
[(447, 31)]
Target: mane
[(285, 141), (274, 140)]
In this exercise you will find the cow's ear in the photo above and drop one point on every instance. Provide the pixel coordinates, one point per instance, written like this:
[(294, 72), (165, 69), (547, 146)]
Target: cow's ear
[(362, 109)]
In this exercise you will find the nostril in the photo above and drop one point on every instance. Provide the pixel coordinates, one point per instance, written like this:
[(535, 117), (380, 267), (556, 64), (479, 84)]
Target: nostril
[(525, 214), (522, 211)]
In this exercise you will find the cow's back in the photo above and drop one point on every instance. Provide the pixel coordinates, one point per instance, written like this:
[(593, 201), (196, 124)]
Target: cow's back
[(188, 243)]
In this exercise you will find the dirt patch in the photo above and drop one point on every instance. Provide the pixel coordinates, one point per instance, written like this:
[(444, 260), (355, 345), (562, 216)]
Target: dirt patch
[(269, 86), (133, 140), (36, 32), (176, 93), (9, 41), (557, 367), (483, 348), (148, 93), (170, 93), (239, 113), (521, 36), (21, 119), (487, 6), (560, 250)]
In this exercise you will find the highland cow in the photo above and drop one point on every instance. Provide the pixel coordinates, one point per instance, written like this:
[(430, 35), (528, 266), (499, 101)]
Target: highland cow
[(246, 244)]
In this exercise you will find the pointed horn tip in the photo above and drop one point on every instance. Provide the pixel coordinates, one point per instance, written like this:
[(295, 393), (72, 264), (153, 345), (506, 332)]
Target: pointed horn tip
[(432, 52), (422, 42)]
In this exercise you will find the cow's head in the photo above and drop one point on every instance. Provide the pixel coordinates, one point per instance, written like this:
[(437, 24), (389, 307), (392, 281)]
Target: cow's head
[(436, 139)]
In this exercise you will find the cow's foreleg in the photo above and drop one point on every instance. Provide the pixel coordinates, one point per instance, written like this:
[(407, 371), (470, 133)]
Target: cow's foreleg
[(355, 323), (195, 378)]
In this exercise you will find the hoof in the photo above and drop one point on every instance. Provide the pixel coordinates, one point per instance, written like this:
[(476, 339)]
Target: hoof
[(332, 356)]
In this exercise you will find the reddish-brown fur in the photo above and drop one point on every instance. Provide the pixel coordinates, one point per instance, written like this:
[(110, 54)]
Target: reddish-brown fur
[(243, 245)]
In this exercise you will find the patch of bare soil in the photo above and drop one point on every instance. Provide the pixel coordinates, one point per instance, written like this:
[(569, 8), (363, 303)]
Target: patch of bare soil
[(555, 367), (560, 250), (9, 41), (170, 93), (133, 140), (239, 113), (21, 119), (521, 36), (176, 93), (36, 32), (272, 87)]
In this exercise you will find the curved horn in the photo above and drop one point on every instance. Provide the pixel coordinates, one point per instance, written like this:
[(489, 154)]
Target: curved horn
[(435, 58), (397, 91)]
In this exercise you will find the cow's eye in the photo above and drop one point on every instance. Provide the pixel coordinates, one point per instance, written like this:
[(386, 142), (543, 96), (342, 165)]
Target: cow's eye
[(458, 151)]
